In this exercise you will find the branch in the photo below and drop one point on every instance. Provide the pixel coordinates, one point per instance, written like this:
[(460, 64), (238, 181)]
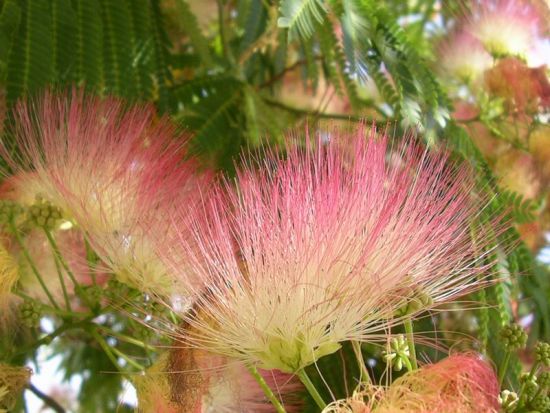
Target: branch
[(305, 112), (54, 405)]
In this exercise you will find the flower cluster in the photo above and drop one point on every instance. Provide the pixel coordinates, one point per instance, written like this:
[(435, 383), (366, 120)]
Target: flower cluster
[(461, 383), (187, 380), (338, 238), (325, 244), (108, 168)]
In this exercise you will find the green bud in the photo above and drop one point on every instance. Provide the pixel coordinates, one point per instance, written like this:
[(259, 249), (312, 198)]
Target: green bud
[(540, 403), (530, 388), (544, 380), (44, 214), (30, 312), (542, 353), (399, 350), (513, 337), (9, 210)]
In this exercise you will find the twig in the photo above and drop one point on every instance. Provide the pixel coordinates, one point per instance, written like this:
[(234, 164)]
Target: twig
[(54, 405)]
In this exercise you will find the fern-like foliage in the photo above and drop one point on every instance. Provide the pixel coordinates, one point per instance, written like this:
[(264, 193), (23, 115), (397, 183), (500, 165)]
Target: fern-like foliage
[(523, 210), (114, 47), (299, 16)]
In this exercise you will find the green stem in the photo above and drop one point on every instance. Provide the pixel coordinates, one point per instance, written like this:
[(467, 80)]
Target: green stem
[(106, 348), (62, 282), (407, 362), (503, 368), (90, 260), (57, 332), (410, 342), (13, 227), (128, 359), (306, 381), (364, 373), (48, 309), (60, 257), (267, 390), (522, 399), (123, 337)]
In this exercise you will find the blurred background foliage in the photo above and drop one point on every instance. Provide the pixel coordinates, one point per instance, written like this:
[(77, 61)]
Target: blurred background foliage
[(237, 74)]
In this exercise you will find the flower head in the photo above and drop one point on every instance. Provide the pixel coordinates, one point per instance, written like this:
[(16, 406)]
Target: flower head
[(462, 56), (504, 27), (109, 168), (13, 380), (187, 380), (461, 383), (9, 275), (326, 244)]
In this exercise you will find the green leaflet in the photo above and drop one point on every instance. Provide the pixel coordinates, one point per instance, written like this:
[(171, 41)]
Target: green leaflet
[(299, 16)]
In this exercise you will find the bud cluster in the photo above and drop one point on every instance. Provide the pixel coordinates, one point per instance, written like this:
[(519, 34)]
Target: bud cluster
[(44, 214), (30, 313), (398, 353), (542, 353), (514, 337), (9, 210)]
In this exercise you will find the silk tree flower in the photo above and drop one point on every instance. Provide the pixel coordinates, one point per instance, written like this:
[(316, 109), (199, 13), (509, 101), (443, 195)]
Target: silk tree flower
[(185, 380), (326, 244), (23, 189), (13, 380), (9, 276), (504, 27), (109, 168), (461, 383), (463, 57)]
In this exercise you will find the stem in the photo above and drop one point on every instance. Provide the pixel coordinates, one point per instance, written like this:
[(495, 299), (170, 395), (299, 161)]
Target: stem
[(89, 260), (223, 34), (62, 282), (407, 362), (123, 337), (60, 330), (306, 381), (267, 390), (128, 359), (522, 400), (363, 372), (52, 404), (32, 264), (103, 344), (410, 342), (60, 257), (503, 368)]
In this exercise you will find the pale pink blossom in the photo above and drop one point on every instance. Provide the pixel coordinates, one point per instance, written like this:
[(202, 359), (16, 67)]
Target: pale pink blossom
[(193, 381), (461, 383), (504, 27), (322, 245), (463, 57), (109, 167)]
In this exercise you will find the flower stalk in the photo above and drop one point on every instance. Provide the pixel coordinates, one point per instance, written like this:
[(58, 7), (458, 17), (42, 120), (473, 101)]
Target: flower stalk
[(266, 389), (306, 381), (410, 341)]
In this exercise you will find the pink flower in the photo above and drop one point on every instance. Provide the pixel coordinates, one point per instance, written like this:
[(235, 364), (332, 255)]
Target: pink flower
[(462, 383), (193, 381), (504, 27), (110, 168), (462, 56), (325, 244)]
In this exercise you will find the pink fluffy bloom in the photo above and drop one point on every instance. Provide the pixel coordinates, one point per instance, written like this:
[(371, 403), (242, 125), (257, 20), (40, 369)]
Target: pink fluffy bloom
[(193, 381), (325, 244), (109, 167), (461, 383), (462, 56), (504, 27)]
